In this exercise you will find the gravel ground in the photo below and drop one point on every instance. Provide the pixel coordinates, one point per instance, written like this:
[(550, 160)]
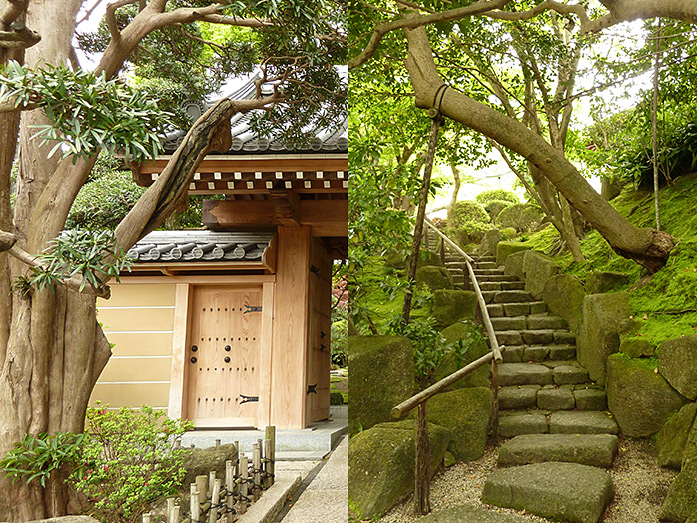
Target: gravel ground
[(640, 486)]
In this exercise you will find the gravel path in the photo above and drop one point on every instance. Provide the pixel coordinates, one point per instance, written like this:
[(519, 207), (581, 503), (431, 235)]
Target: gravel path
[(640, 486)]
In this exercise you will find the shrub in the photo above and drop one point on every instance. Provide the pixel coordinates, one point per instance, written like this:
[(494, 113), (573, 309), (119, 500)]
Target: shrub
[(494, 207), (465, 212), (522, 217), (130, 461), (497, 195)]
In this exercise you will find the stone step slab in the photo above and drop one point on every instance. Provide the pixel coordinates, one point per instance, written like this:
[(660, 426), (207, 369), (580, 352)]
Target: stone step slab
[(524, 374), (513, 424), (505, 323), (509, 297), (512, 285), (569, 374), (532, 337), (560, 491), (596, 450), (555, 399), (590, 399), (545, 321), (490, 272), (518, 397), (582, 422), (486, 265), (496, 277)]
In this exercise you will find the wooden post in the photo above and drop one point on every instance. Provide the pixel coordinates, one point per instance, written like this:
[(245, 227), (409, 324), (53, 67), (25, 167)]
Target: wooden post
[(422, 458), (256, 460), (194, 504), (175, 514), (170, 507), (215, 498), (270, 449), (202, 488), (217, 442), (230, 485), (146, 517), (244, 487), (237, 462)]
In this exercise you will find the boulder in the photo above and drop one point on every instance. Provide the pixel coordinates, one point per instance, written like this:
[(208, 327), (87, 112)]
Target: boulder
[(465, 413), (507, 233), (428, 258), (382, 376), (476, 347), (469, 514), (597, 335), (671, 439), (381, 465), (677, 363), (451, 306), (522, 217), (514, 265), (489, 242), (604, 281), (558, 491), (395, 260), (637, 347), (681, 500), (504, 249), (434, 277), (538, 268), (597, 450), (564, 295), (199, 462), (640, 399), (336, 398)]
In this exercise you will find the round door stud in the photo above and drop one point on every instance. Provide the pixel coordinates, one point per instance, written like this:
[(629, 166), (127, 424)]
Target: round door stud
[(193, 359), (227, 359), (194, 348), (228, 348)]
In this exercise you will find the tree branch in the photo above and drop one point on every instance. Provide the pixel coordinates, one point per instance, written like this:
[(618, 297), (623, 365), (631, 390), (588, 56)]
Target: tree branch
[(7, 240), (13, 11), (18, 37), (414, 21), (73, 283), (111, 22), (8, 106)]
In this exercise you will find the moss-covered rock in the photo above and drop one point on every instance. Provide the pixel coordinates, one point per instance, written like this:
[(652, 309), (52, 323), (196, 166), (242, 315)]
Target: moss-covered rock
[(382, 376), (451, 306), (505, 249), (597, 335), (199, 462), (677, 363), (671, 439), (514, 265), (395, 260), (681, 501), (640, 399), (564, 296), (336, 398), (538, 268), (604, 281), (522, 217), (428, 258), (434, 277), (476, 346), (381, 465), (508, 233), (637, 347), (489, 242), (465, 413)]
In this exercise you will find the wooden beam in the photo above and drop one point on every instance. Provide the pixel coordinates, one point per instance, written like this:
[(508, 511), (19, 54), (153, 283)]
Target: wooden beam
[(326, 217), (230, 164), (286, 206)]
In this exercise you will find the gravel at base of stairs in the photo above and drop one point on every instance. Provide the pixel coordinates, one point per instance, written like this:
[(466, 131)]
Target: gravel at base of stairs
[(640, 486)]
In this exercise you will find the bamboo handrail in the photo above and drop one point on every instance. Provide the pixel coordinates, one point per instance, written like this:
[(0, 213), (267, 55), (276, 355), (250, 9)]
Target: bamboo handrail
[(480, 297), (407, 405)]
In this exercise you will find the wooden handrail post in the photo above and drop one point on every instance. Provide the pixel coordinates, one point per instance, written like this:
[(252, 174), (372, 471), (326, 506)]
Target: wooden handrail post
[(422, 459)]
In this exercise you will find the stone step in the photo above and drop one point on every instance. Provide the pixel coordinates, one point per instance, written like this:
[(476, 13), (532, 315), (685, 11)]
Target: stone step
[(549, 397), (496, 277), (538, 353), (486, 265), (469, 514), (544, 373), (507, 296), (532, 322), (515, 423), (597, 450), (516, 309), (500, 285), (490, 272), (485, 258), (558, 491), (535, 337)]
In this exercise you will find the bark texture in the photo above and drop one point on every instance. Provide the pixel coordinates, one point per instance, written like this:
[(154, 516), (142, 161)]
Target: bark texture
[(647, 247)]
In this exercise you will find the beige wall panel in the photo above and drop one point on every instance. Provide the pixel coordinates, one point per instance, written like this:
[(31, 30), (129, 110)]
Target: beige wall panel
[(136, 369), (137, 294), (131, 394), (136, 319), (141, 343)]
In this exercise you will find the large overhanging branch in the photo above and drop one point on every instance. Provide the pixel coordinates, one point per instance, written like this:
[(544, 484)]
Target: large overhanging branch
[(211, 131), (18, 37), (647, 247)]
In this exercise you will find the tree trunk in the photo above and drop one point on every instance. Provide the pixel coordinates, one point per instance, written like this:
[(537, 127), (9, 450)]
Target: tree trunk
[(649, 248), (456, 189)]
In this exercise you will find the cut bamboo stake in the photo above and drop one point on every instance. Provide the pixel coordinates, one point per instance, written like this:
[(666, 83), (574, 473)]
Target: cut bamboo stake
[(175, 514), (230, 484), (215, 498), (146, 517), (170, 507), (244, 487), (270, 451), (217, 442), (202, 487), (193, 503), (256, 467)]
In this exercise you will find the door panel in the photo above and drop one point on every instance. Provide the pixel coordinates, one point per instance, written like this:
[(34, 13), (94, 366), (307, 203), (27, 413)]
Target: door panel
[(226, 325)]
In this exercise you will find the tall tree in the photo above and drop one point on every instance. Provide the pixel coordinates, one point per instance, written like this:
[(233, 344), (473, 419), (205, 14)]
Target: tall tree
[(52, 349)]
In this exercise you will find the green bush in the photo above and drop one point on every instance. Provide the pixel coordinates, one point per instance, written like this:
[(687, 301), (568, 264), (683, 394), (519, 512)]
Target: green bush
[(130, 461), (497, 195), (523, 217), (494, 207), (466, 212)]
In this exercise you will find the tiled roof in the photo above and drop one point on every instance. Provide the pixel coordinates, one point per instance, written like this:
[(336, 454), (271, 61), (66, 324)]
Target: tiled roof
[(245, 141), (200, 245)]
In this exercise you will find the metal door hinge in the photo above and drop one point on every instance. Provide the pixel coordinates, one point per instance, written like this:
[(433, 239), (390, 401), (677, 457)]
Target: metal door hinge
[(252, 308), (248, 399)]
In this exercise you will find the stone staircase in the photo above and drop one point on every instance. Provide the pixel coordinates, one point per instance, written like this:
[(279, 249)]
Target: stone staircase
[(561, 433)]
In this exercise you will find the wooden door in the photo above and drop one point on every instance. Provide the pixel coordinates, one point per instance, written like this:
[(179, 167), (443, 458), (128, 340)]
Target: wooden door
[(223, 356)]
